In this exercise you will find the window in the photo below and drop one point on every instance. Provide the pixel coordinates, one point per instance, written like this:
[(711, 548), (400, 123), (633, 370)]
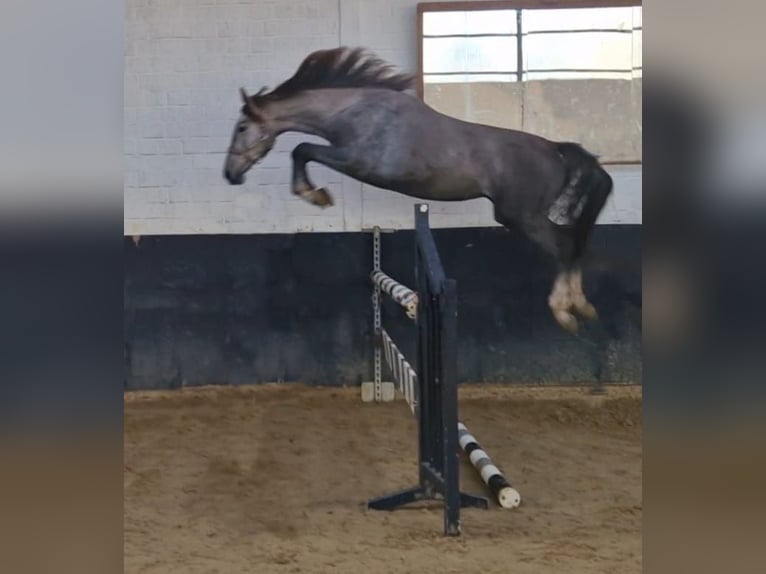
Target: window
[(565, 73), (470, 46)]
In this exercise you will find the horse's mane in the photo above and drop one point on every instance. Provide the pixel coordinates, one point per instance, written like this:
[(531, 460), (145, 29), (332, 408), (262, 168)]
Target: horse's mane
[(340, 68)]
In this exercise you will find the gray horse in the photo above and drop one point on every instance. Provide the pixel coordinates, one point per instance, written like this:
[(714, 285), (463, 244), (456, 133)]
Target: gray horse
[(382, 136)]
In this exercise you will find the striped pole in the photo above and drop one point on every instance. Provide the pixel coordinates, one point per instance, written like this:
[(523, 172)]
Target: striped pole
[(507, 496), (405, 296), (403, 372)]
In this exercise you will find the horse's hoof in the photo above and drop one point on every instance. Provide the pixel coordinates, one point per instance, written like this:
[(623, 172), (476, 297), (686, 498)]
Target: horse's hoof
[(567, 321), (586, 311), (321, 197)]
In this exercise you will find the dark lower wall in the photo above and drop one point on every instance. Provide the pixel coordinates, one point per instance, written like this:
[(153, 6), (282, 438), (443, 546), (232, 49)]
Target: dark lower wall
[(262, 308)]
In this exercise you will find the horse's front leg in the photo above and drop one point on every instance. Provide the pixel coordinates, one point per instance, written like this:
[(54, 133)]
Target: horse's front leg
[(302, 185)]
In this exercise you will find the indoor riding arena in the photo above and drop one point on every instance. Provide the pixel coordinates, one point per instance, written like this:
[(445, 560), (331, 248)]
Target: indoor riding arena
[(367, 353)]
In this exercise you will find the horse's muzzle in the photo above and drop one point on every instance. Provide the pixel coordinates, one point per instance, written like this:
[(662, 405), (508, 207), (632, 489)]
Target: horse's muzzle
[(234, 179)]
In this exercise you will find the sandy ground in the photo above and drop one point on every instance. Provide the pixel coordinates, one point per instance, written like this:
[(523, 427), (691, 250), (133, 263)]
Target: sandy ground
[(275, 478)]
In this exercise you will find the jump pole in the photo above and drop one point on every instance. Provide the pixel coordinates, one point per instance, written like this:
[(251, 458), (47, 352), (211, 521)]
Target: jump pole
[(405, 296), (506, 495)]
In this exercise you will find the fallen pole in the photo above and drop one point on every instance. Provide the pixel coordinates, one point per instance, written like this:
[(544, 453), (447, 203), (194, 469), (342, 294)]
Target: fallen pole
[(507, 496)]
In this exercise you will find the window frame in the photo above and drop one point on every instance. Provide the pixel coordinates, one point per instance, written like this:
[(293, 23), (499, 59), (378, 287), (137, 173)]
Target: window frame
[(468, 6)]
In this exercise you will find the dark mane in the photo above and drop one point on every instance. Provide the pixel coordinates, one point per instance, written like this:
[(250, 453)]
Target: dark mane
[(341, 68)]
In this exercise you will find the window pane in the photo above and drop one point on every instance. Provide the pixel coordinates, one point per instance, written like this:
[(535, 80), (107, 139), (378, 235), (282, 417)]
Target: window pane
[(578, 19), (491, 22), (637, 49), (589, 75), (599, 113), (488, 54), (473, 22), (578, 51), (467, 78), (637, 17), (443, 23)]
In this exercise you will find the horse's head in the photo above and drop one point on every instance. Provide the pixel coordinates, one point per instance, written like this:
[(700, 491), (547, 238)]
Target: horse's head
[(250, 142)]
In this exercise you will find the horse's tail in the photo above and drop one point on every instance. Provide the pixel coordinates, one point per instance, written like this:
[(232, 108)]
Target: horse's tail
[(587, 186)]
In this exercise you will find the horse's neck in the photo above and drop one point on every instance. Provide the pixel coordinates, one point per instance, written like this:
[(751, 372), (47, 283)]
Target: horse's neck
[(310, 112)]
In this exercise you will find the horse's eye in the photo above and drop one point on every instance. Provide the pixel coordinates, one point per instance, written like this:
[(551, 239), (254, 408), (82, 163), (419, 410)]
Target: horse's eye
[(241, 128)]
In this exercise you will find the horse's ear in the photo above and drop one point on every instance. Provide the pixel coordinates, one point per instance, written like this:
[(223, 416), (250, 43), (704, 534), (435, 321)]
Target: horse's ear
[(251, 107)]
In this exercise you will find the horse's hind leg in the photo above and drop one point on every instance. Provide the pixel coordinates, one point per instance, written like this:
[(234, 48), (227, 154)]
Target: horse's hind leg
[(580, 302), (593, 188), (600, 187), (567, 296), (561, 302), (558, 242), (565, 243)]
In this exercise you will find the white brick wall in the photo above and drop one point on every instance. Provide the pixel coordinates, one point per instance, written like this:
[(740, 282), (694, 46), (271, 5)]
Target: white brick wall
[(184, 62)]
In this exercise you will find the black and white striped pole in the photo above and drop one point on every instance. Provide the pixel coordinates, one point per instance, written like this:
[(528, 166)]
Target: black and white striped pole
[(507, 496), (404, 374), (403, 295)]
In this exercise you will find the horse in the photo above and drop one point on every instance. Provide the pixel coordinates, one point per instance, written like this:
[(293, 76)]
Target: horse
[(380, 133)]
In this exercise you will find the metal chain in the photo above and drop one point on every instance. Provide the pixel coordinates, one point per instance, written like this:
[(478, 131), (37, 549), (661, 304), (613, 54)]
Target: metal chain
[(376, 313)]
